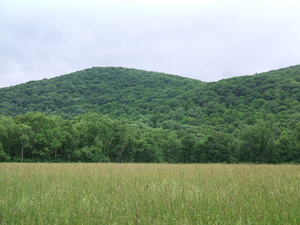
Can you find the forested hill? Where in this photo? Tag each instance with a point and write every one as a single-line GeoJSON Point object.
{"type": "Point", "coordinates": [108, 90]}
{"type": "Point", "coordinates": [132, 93]}
{"type": "Point", "coordinates": [119, 114]}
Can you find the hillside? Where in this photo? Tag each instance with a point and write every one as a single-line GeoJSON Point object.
{"type": "Point", "coordinates": [229, 116]}
{"type": "Point", "coordinates": [132, 93]}
{"type": "Point", "coordinates": [113, 91]}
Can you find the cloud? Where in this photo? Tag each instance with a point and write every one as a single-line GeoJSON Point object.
{"type": "Point", "coordinates": [206, 40]}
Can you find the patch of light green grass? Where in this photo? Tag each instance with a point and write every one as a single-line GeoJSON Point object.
{"type": "Point", "coordinates": [149, 194]}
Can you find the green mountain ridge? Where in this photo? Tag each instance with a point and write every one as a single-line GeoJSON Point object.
{"type": "Point", "coordinates": [95, 89]}
{"type": "Point", "coordinates": [137, 92]}
{"type": "Point", "coordinates": [240, 119]}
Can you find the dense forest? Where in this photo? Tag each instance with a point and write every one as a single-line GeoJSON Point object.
{"type": "Point", "coordinates": [125, 115]}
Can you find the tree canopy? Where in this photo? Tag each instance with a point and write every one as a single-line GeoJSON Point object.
{"type": "Point", "coordinates": [127, 115]}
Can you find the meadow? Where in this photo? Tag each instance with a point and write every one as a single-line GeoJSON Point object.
{"type": "Point", "coordinates": [78, 193]}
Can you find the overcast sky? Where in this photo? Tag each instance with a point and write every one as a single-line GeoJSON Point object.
{"type": "Point", "coordinates": [207, 40]}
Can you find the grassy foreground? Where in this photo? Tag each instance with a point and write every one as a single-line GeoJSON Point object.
{"type": "Point", "coordinates": [149, 194]}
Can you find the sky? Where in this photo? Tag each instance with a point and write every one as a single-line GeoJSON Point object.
{"type": "Point", "coordinates": [206, 40]}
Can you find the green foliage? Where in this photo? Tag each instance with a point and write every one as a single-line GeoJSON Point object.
{"type": "Point", "coordinates": [3, 156]}
{"type": "Point", "coordinates": [257, 143]}
{"type": "Point", "coordinates": [127, 115]}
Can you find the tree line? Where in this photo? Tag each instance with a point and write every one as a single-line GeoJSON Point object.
{"type": "Point", "coordinates": [37, 137]}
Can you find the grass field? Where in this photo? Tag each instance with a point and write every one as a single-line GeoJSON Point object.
{"type": "Point", "coordinates": [149, 194]}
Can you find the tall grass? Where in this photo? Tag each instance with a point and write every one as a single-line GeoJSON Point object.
{"type": "Point", "coordinates": [149, 194]}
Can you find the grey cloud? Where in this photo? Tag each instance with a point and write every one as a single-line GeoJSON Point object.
{"type": "Point", "coordinates": [206, 42]}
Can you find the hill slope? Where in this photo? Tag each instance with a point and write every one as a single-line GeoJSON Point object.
{"type": "Point", "coordinates": [152, 117]}
{"type": "Point", "coordinates": [133, 93]}
{"type": "Point", "coordinates": [102, 90]}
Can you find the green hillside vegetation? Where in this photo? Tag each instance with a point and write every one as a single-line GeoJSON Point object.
{"type": "Point", "coordinates": [127, 115]}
